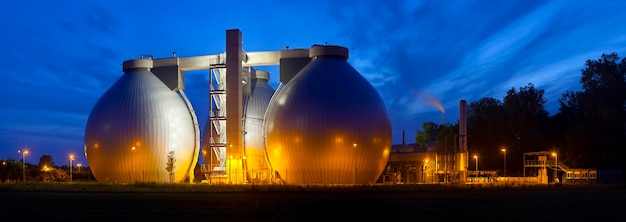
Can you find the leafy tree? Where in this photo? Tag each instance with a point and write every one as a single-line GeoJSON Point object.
{"type": "Point", "coordinates": [569, 108]}
{"type": "Point", "coordinates": [487, 131]}
{"type": "Point", "coordinates": [53, 175]}
{"type": "Point", "coordinates": [46, 160]}
{"type": "Point", "coordinates": [447, 138]}
{"type": "Point", "coordinates": [526, 113]}
{"type": "Point", "coordinates": [171, 159]}
{"type": "Point", "coordinates": [428, 134]}
{"type": "Point", "coordinates": [10, 170]}
{"type": "Point", "coordinates": [601, 112]}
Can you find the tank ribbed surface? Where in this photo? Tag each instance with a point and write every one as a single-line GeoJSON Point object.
{"type": "Point", "coordinates": [139, 111]}
{"type": "Point", "coordinates": [256, 97]}
{"type": "Point", "coordinates": [254, 146]}
{"type": "Point", "coordinates": [328, 126]}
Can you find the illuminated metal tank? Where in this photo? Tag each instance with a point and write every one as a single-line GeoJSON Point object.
{"type": "Point", "coordinates": [135, 125]}
{"type": "Point", "coordinates": [256, 96]}
{"type": "Point", "coordinates": [328, 125]}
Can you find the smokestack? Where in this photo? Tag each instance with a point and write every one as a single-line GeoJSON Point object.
{"type": "Point", "coordinates": [463, 126]}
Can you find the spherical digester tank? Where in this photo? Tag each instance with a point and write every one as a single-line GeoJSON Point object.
{"type": "Point", "coordinates": [255, 104]}
{"type": "Point", "coordinates": [328, 125]}
{"type": "Point", "coordinates": [256, 96]}
{"type": "Point", "coordinates": [133, 128]}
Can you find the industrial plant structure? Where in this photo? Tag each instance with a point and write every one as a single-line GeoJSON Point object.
{"type": "Point", "coordinates": [325, 124]}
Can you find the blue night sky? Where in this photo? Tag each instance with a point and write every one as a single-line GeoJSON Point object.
{"type": "Point", "coordinates": [60, 56]}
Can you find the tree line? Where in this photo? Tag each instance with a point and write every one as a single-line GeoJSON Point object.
{"type": "Point", "coordinates": [588, 131]}
{"type": "Point", "coordinates": [13, 170]}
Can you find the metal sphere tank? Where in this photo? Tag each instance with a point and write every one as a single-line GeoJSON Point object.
{"type": "Point", "coordinates": [256, 97]}
{"type": "Point", "coordinates": [256, 100]}
{"type": "Point", "coordinates": [328, 125]}
{"type": "Point", "coordinates": [135, 125]}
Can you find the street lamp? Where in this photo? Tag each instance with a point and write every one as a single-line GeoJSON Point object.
{"type": "Point", "coordinates": [424, 168]}
{"type": "Point", "coordinates": [24, 152]}
{"type": "Point", "coordinates": [504, 150]}
{"type": "Point", "coordinates": [355, 171]}
{"type": "Point", "coordinates": [556, 165]}
{"type": "Point", "coordinates": [132, 165]}
{"type": "Point", "coordinates": [71, 166]}
{"type": "Point", "coordinates": [79, 165]}
{"type": "Point", "coordinates": [476, 157]}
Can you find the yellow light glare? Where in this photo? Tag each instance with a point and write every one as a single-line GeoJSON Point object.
{"type": "Point", "coordinates": [338, 139]}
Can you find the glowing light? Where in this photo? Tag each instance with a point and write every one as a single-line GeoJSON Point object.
{"type": "Point", "coordinates": [476, 157]}
{"type": "Point", "coordinates": [338, 139]}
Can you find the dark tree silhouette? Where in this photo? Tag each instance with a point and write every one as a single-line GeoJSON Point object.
{"type": "Point", "coordinates": [598, 137]}
{"type": "Point", "coordinates": [46, 160]}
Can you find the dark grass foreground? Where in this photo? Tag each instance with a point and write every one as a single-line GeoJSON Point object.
{"type": "Point", "coordinates": [202, 202]}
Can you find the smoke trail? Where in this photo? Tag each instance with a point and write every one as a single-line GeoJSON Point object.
{"type": "Point", "coordinates": [431, 100]}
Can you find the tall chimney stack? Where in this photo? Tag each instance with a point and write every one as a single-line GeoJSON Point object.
{"type": "Point", "coordinates": [402, 138]}
{"type": "Point", "coordinates": [463, 126]}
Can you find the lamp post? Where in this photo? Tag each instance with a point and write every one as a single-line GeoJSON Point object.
{"type": "Point", "coordinates": [79, 165]}
{"type": "Point", "coordinates": [71, 166]}
{"type": "Point", "coordinates": [355, 159]}
{"type": "Point", "coordinates": [556, 165]}
{"type": "Point", "coordinates": [24, 152]}
{"type": "Point", "coordinates": [476, 157]}
{"type": "Point", "coordinates": [504, 150]}
{"type": "Point", "coordinates": [424, 168]}
{"type": "Point", "coordinates": [132, 165]}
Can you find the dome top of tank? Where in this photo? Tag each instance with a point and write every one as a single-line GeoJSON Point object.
{"type": "Point", "coordinates": [144, 62]}
{"type": "Point", "coordinates": [328, 50]}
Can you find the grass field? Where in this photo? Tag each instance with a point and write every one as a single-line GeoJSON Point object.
{"type": "Point", "coordinates": [202, 202]}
